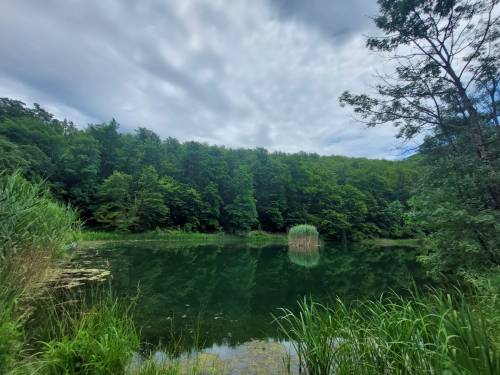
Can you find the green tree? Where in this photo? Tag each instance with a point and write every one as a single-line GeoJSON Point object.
{"type": "Point", "coordinates": [149, 202]}
{"type": "Point", "coordinates": [110, 146]}
{"type": "Point", "coordinates": [241, 213]}
{"type": "Point", "coordinates": [211, 207]}
{"type": "Point", "coordinates": [78, 169]}
{"type": "Point", "coordinates": [184, 203]}
{"type": "Point", "coordinates": [11, 157]}
{"type": "Point", "coordinates": [270, 178]}
{"type": "Point", "coordinates": [446, 84]}
{"type": "Point", "coordinates": [116, 209]}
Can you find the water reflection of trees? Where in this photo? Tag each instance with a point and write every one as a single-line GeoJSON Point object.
{"type": "Point", "coordinates": [229, 291]}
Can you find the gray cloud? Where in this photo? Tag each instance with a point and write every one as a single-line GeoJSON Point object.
{"type": "Point", "coordinates": [337, 19]}
{"type": "Point", "coordinates": [265, 73]}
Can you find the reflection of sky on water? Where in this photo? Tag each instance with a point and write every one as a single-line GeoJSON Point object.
{"type": "Point", "coordinates": [267, 356]}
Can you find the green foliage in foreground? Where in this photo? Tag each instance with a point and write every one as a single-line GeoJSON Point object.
{"type": "Point", "coordinates": [33, 228]}
{"type": "Point", "coordinates": [437, 333]}
{"type": "Point", "coordinates": [152, 367]}
{"type": "Point", "coordinates": [29, 218]}
{"type": "Point", "coordinates": [11, 334]}
{"type": "Point", "coordinates": [97, 336]}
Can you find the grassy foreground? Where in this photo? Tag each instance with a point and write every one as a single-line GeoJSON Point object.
{"type": "Point", "coordinates": [434, 334]}
{"type": "Point", "coordinates": [33, 231]}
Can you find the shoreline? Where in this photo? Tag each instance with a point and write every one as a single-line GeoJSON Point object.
{"type": "Point", "coordinates": [100, 237]}
{"type": "Point", "coordinates": [174, 236]}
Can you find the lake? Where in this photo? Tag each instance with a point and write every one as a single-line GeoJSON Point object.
{"type": "Point", "coordinates": [221, 296]}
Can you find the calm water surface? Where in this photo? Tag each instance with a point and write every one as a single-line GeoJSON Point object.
{"type": "Point", "coordinates": [226, 293]}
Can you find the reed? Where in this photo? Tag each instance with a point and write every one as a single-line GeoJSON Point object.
{"type": "Point", "coordinates": [303, 237]}
{"type": "Point", "coordinates": [153, 367]}
{"type": "Point", "coordinates": [438, 333]}
{"type": "Point", "coordinates": [95, 335]}
{"type": "Point", "coordinates": [11, 333]}
{"type": "Point", "coordinates": [33, 229]}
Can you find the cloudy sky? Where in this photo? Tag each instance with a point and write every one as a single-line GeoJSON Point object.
{"type": "Point", "coordinates": [240, 73]}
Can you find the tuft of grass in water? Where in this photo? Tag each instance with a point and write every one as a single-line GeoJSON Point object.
{"type": "Point", "coordinates": [152, 367]}
{"type": "Point", "coordinates": [194, 363]}
{"type": "Point", "coordinates": [438, 333]}
{"type": "Point", "coordinates": [310, 330]}
{"type": "Point", "coordinates": [303, 237]}
{"type": "Point", "coordinates": [94, 334]}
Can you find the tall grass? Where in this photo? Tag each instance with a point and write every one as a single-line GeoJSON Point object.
{"type": "Point", "coordinates": [303, 237]}
{"type": "Point", "coordinates": [195, 363]}
{"type": "Point", "coordinates": [435, 334]}
{"type": "Point", "coordinates": [153, 367]}
{"type": "Point", "coordinates": [11, 334]}
{"type": "Point", "coordinates": [29, 217]}
{"type": "Point", "coordinates": [33, 228]}
{"type": "Point", "coordinates": [97, 335]}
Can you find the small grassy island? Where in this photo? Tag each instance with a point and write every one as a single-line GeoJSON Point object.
{"type": "Point", "coordinates": [126, 252]}
{"type": "Point", "coordinates": [303, 237]}
{"type": "Point", "coordinates": [303, 245]}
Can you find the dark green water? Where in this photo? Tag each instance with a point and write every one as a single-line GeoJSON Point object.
{"type": "Point", "coordinates": [227, 293]}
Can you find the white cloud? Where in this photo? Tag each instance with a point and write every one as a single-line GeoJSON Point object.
{"type": "Point", "coordinates": [238, 73]}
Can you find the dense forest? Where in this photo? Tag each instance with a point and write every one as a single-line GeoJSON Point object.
{"type": "Point", "coordinates": [137, 181]}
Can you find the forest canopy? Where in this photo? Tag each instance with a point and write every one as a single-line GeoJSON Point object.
{"type": "Point", "coordinates": [137, 181]}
